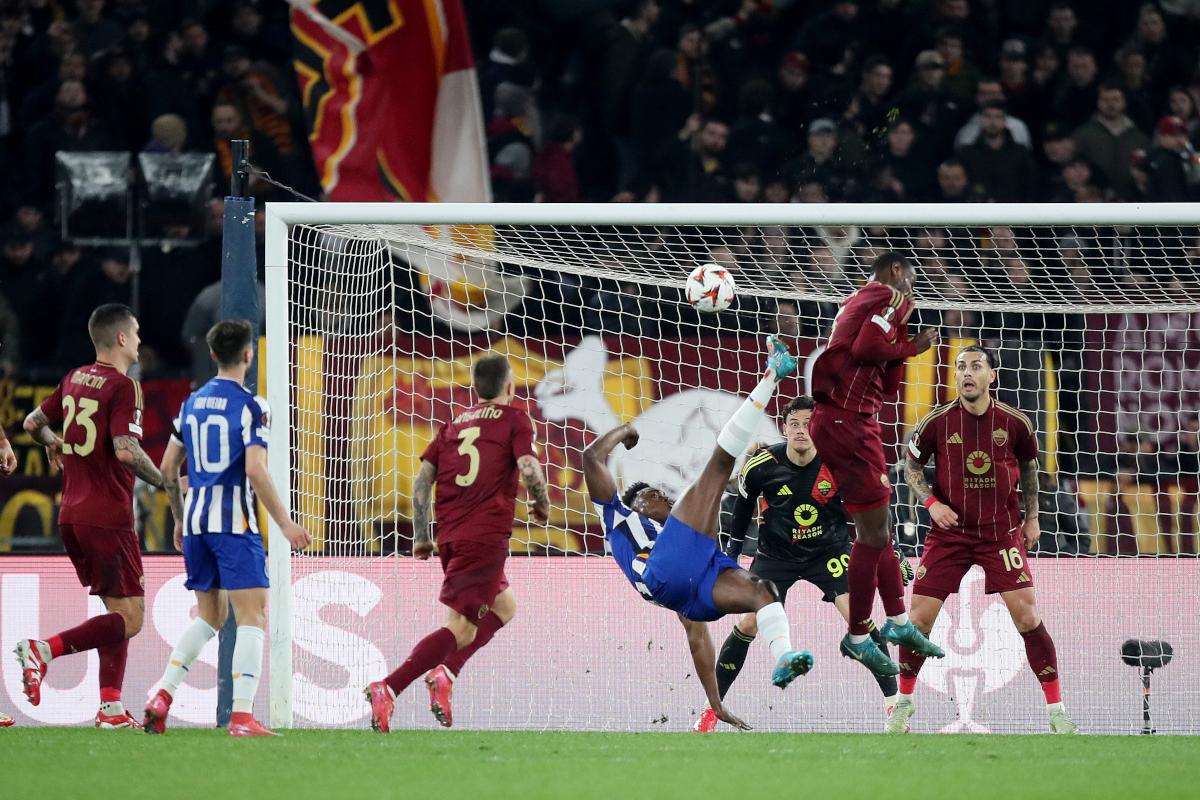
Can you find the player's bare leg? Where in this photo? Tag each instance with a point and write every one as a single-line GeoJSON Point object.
{"type": "Point", "coordinates": [212, 609]}
{"type": "Point", "coordinates": [1040, 652]}
{"type": "Point", "coordinates": [699, 507]}
{"type": "Point", "coordinates": [440, 679]}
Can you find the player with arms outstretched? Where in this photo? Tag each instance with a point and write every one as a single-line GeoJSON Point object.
{"type": "Point", "coordinates": [802, 536]}
{"type": "Point", "coordinates": [100, 409]}
{"type": "Point", "coordinates": [864, 362]}
{"type": "Point", "coordinates": [983, 449]}
{"type": "Point", "coordinates": [474, 461]}
{"type": "Point", "coordinates": [669, 552]}
{"type": "Point", "coordinates": [222, 432]}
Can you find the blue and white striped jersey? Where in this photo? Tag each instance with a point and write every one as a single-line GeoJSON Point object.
{"type": "Point", "coordinates": [216, 424]}
{"type": "Point", "coordinates": [631, 537]}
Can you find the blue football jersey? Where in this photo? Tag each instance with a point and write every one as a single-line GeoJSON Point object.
{"type": "Point", "coordinates": [631, 537]}
{"type": "Point", "coordinates": [216, 424]}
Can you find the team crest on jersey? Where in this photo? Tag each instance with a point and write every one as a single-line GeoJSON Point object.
{"type": "Point", "coordinates": [824, 487]}
{"type": "Point", "coordinates": [884, 480]}
{"type": "Point", "coordinates": [999, 437]}
{"type": "Point", "coordinates": [979, 462]}
{"type": "Point", "coordinates": [921, 572]}
{"type": "Point", "coordinates": [483, 609]}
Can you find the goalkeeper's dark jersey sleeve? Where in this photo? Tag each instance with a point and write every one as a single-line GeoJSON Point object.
{"type": "Point", "coordinates": [802, 514]}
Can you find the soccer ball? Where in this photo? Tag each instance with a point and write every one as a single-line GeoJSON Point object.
{"type": "Point", "coordinates": [710, 288]}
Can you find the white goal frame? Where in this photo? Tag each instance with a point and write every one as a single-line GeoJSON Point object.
{"type": "Point", "coordinates": [280, 216]}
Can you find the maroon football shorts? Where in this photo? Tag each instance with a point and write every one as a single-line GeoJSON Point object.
{"type": "Point", "coordinates": [948, 556]}
{"type": "Point", "coordinates": [107, 559]}
{"type": "Point", "coordinates": [473, 576]}
{"type": "Point", "coordinates": [851, 445]}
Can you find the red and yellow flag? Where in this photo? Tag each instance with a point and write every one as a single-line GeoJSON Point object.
{"type": "Point", "coordinates": [391, 99]}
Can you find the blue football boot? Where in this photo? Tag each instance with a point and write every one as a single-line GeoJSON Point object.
{"type": "Point", "coordinates": [790, 667]}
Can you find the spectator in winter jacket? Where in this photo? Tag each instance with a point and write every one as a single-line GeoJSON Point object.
{"type": "Point", "coordinates": [1171, 166]}
{"type": "Point", "coordinates": [1109, 139]}
{"type": "Point", "coordinates": [1002, 167]}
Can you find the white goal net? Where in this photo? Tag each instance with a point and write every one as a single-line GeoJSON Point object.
{"type": "Point", "coordinates": [376, 312]}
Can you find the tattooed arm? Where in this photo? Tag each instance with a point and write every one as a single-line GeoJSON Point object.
{"type": "Point", "coordinates": [38, 426]}
{"type": "Point", "coordinates": [172, 461]}
{"type": "Point", "coordinates": [422, 505]}
{"type": "Point", "coordinates": [535, 484]}
{"type": "Point", "coordinates": [130, 453]}
{"type": "Point", "coordinates": [1031, 528]}
{"type": "Point", "coordinates": [914, 474]}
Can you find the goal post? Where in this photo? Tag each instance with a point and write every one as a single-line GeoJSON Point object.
{"type": "Point", "coordinates": [376, 310]}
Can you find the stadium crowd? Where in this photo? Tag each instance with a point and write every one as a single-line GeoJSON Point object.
{"type": "Point", "coordinates": [638, 101]}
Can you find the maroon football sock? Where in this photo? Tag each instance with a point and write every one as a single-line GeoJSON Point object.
{"type": "Point", "coordinates": [95, 633]}
{"type": "Point", "coordinates": [112, 670]}
{"type": "Point", "coordinates": [891, 582]}
{"type": "Point", "coordinates": [864, 564]}
{"type": "Point", "coordinates": [910, 664]}
{"type": "Point", "coordinates": [429, 652]}
{"type": "Point", "coordinates": [1043, 660]}
{"type": "Point", "coordinates": [488, 627]}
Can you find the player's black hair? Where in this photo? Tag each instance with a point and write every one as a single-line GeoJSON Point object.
{"type": "Point", "coordinates": [107, 322]}
{"type": "Point", "coordinates": [632, 492]}
{"type": "Point", "coordinates": [988, 354]}
{"type": "Point", "coordinates": [228, 340]}
{"type": "Point", "coordinates": [490, 375]}
{"type": "Point", "coordinates": [885, 261]}
{"type": "Point", "coordinates": [801, 403]}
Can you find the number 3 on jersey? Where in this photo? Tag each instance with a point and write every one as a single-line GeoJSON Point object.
{"type": "Point", "coordinates": [468, 449]}
{"type": "Point", "coordinates": [87, 407]}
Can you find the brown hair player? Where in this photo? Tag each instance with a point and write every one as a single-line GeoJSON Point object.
{"type": "Point", "coordinates": [863, 362]}
{"type": "Point", "coordinates": [983, 450]}
{"type": "Point", "coordinates": [100, 409]}
{"type": "Point", "coordinates": [474, 461]}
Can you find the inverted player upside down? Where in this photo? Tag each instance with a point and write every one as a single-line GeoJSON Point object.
{"type": "Point", "coordinates": [669, 552]}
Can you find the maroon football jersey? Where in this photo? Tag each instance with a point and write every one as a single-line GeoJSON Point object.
{"type": "Point", "coordinates": [868, 341]}
{"type": "Point", "coordinates": [93, 404]}
{"type": "Point", "coordinates": [978, 467]}
{"type": "Point", "coordinates": [475, 456]}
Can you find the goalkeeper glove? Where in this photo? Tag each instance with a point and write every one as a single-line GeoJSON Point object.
{"type": "Point", "coordinates": [906, 570]}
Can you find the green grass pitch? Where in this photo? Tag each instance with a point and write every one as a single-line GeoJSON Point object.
{"type": "Point", "coordinates": [67, 762]}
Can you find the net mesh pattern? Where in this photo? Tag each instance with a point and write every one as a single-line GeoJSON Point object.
{"type": "Point", "coordinates": [1096, 329]}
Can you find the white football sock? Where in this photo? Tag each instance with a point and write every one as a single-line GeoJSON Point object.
{"type": "Point", "coordinates": [738, 432]}
{"type": "Point", "coordinates": [900, 619]}
{"type": "Point", "coordinates": [858, 638]}
{"type": "Point", "coordinates": [773, 625]}
{"type": "Point", "coordinates": [113, 709]}
{"type": "Point", "coordinates": [1055, 706]}
{"type": "Point", "coordinates": [186, 651]}
{"type": "Point", "coordinates": [247, 664]}
{"type": "Point", "coordinates": [889, 702]}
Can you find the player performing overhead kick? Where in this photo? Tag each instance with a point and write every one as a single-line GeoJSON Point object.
{"type": "Point", "coordinates": [802, 537]}
{"type": "Point", "coordinates": [863, 362]}
{"type": "Point", "coordinates": [222, 432]}
{"type": "Point", "coordinates": [100, 452]}
{"type": "Point", "coordinates": [669, 551]}
{"type": "Point", "coordinates": [474, 461]}
{"type": "Point", "coordinates": [983, 449]}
